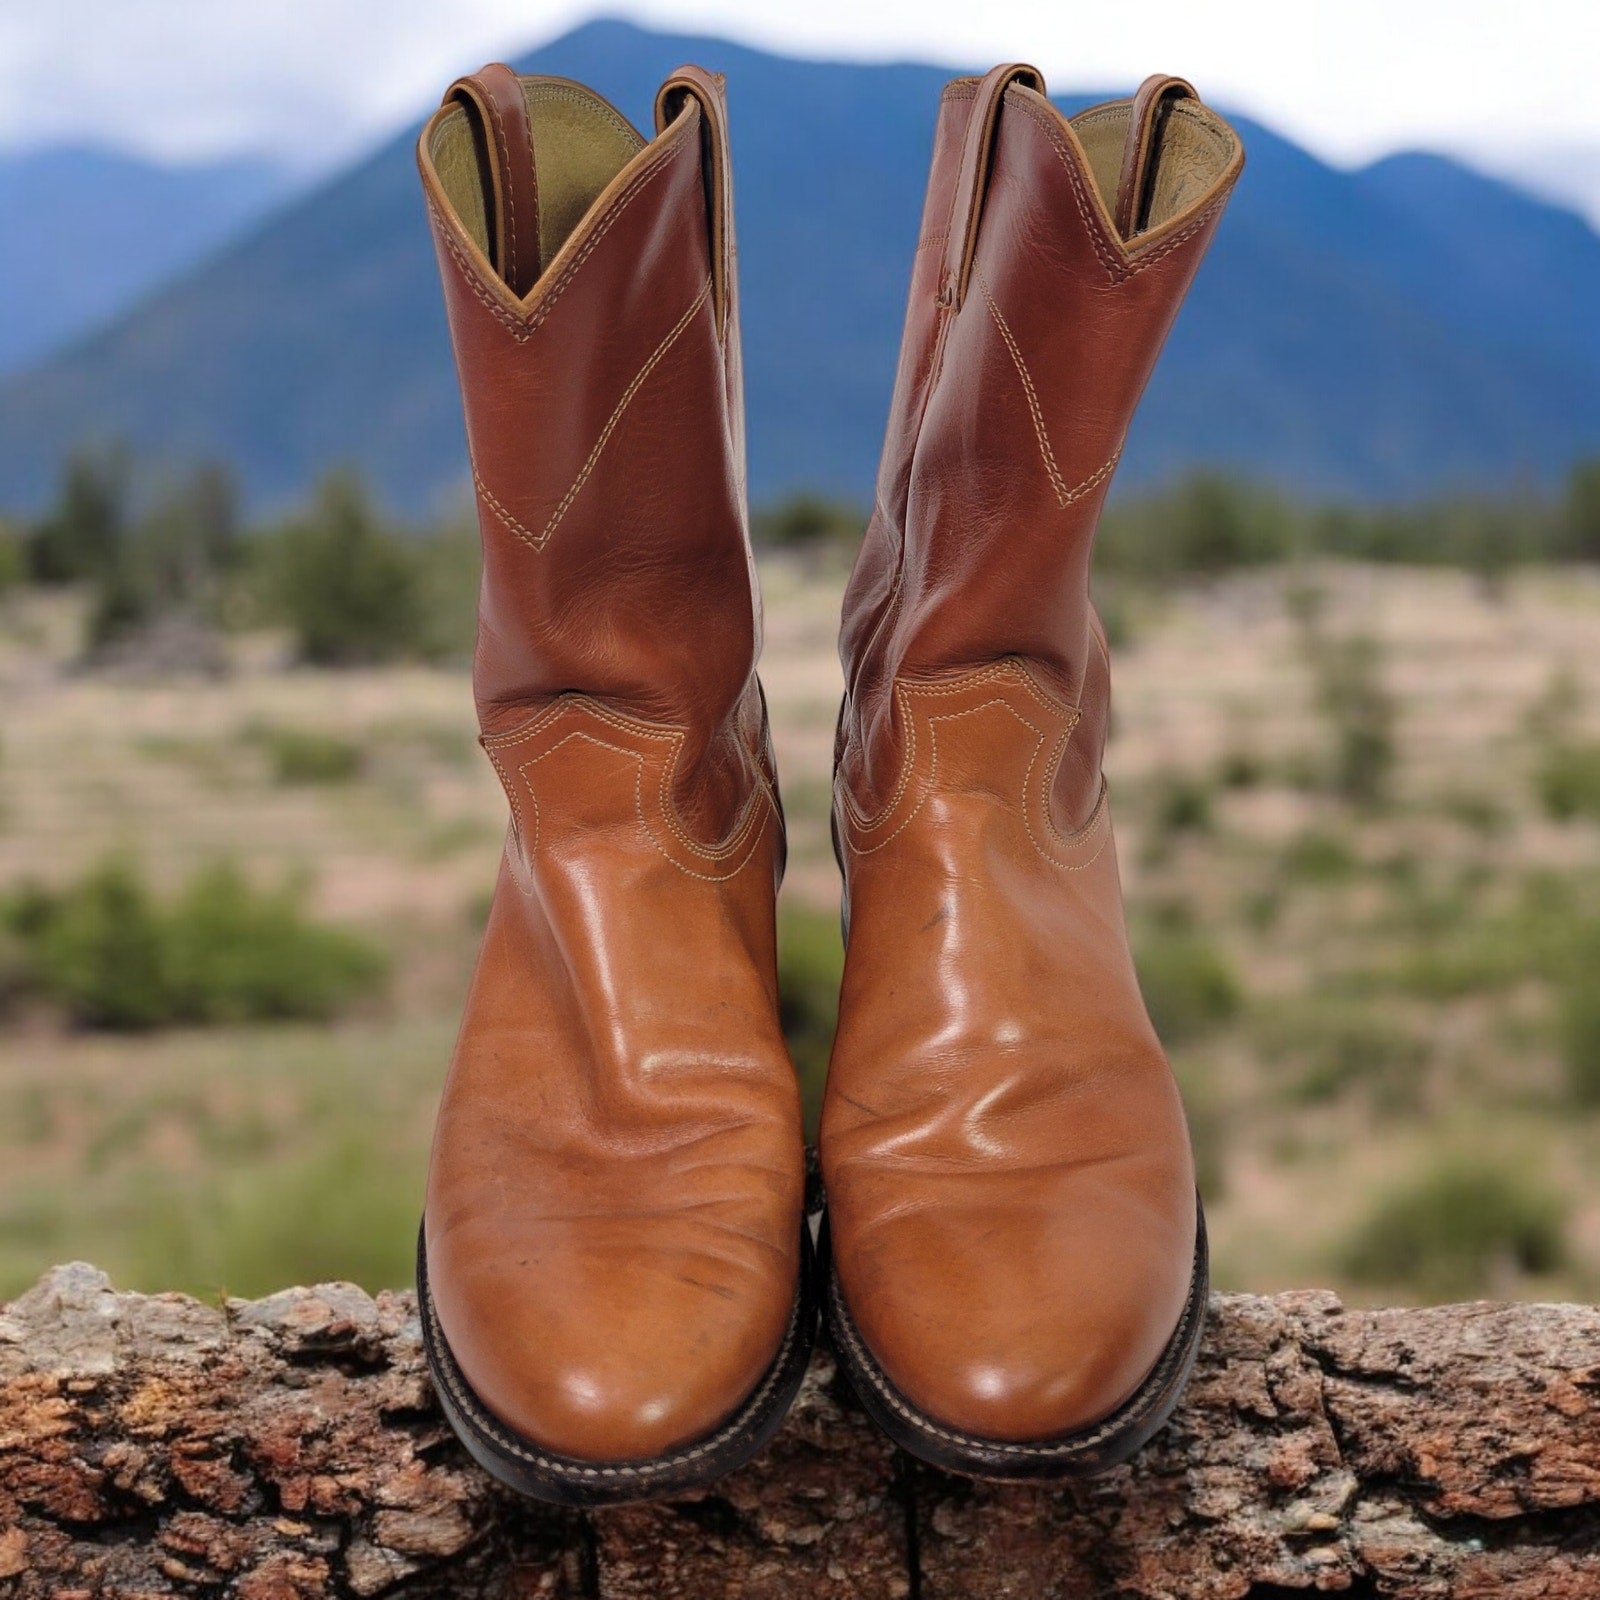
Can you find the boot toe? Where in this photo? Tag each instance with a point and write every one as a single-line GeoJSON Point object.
{"type": "Point", "coordinates": [1024, 1333]}
{"type": "Point", "coordinates": [657, 1354]}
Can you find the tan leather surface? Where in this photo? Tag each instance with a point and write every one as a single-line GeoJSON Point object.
{"type": "Point", "coordinates": [1010, 1189]}
{"type": "Point", "coordinates": [614, 1197]}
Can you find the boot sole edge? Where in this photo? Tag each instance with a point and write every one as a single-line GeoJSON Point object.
{"type": "Point", "coordinates": [1083, 1453]}
{"type": "Point", "coordinates": [538, 1474]}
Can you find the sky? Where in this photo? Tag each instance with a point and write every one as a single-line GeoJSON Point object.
{"type": "Point", "coordinates": [315, 82]}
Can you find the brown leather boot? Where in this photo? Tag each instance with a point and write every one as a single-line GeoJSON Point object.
{"type": "Point", "coordinates": [611, 1268]}
{"type": "Point", "coordinates": [1018, 1265]}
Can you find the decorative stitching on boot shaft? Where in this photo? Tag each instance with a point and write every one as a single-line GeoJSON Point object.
{"type": "Point", "coordinates": [538, 541]}
{"type": "Point", "coordinates": [1064, 496]}
{"type": "Point", "coordinates": [740, 841]}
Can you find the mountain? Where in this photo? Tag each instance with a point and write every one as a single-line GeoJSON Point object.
{"type": "Point", "coordinates": [84, 232]}
{"type": "Point", "coordinates": [1379, 333]}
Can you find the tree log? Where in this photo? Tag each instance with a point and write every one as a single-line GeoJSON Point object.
{"type": "Point", "coordinates": [287, 1447]}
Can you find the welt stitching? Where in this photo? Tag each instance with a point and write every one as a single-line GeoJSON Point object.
{"type": "Point", "coordinates": [1064, 495]}
{"type": "Point", "coordinates": [891, 604]}
{"type": "Point", "coordinates": [1167, 246]}
{"type": "Point", "coordinates": [469, 1405]}
{"type": "Point", "coordinates": [862, 823]}
{"type": "Point", "coordinates": [1027, 777]}
{"type": "Point", "coordinates": [1027, 783]}
{"type": "Point", "coordinates": [492, 745]}
{"type": "Point", "coordinates": [1151, 1387]}
{"type": "Point", "coordinates": [511, 794]}
{"type": "Point", "coordinates": [1083, 834]}
{"type": "Point", "coordinates": [1095, 478]}
{"type": "Point", "coordinates": [718, 852]}
{"type": "Point", "coordinates": [603, 227]}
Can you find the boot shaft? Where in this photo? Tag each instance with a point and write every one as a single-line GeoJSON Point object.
{"type": "Point", "coordinates": [1032, 328]}
{"type": "Point", "coordinates": [603, 404]}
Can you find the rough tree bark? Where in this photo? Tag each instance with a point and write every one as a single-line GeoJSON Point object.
{"type": "Point", "coordinates": [290, 1447]}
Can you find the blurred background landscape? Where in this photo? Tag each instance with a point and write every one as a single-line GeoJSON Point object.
{"type": "Point", "coordinates": [1351, 576]}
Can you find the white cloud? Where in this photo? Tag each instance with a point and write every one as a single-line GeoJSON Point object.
{"type": "Point", "coordinates": [315, 80]}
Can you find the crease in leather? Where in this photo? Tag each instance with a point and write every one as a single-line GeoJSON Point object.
{"type": "Point", "coordinates": [573, 717]}
{"type": "Point", "coordinates": [867, 637]}
{"type": "Point", "coordinates": [615, 1192]}
{"type": "Point", "coordinates": [1010, 1187]}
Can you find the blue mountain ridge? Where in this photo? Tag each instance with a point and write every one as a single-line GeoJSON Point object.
{"type": "Point", "coordinates": [1405, 329]}
{"type": "Point", "coordinates": [86, 231]}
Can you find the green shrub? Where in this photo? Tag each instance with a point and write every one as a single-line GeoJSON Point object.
{"type": "Point", "coordinates": [1182, 804]}
{"type": "Point", "coordinates": [1479, 813]}
{"type": "Point", "coordinates": [448, 569]}
{"type": "Point", "coordinates": [1456, 1231]}
{"type": "Point", "coordinates": [98, 952]}
{"type": "Point", "coordinates": [810, 962]}
{"type": "Point", "coordinates": [1114, 606]}
{"type": "Point", "coordinates": [1241, 769]}
{"type": "Point", "coordinates": [305, 755]}
{"type": "Point", "coordinates": [1541, 936]}
{"type": "Point", "coordinates": [1188, 984]}
{"type": "Point", "coordinates": [1555, 710]}
{"type": "Point", "coordinates": [1318, 856]}
{"type": "Point", "coordinates": [110, 956]}
{"type": "Point", "coordinates": [234, 954]}
{"type": "Point", "coordinates": [1583, 511]}
{"type": "Point", "coordinates": [81, 536]}
{"type": "Point", "coordinates": [1569, 781]}
{"type": "Point", "coordinates": [1206, 525]}
{"type": "Point", "coordinates": [1209, 1130]}
{"type": "Point", "coordinates": [346, 586]}
{"type": "Point", "coordinates": [13, 559]}
{"type": "Point", "coordinates": [805, 521]}
{"type": "Point", "coordinates": [1331, 1047]}
{"type": "Point", "coordinates": [1579, 1006]}
{"type": "Point", "coordinates": [1361, 714]}
{"type": "Point", "coordinates": [1262, 909]}
{"type": "Point", "coordinates": [171, 561]}
{"type": "Point", "coordinates": [343, 1212]}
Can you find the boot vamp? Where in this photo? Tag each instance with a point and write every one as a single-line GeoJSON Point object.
{"type": "Point", "coordinates": [614, 1198]}
{"type": "Point", "coordinates": [1010, 1190]}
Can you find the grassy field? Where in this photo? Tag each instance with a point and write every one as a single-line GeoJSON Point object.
{"type": "Point", "coordinates": [1359, 816]}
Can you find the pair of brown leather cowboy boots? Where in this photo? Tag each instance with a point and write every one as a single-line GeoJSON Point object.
{"type": "Point", "coordinates": [616, 1270]}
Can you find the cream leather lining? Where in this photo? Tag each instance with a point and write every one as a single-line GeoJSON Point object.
{"type": "Point", "coordinates": [579, 145]}
{"type": "Point", "coordinates": [1196, 148]}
